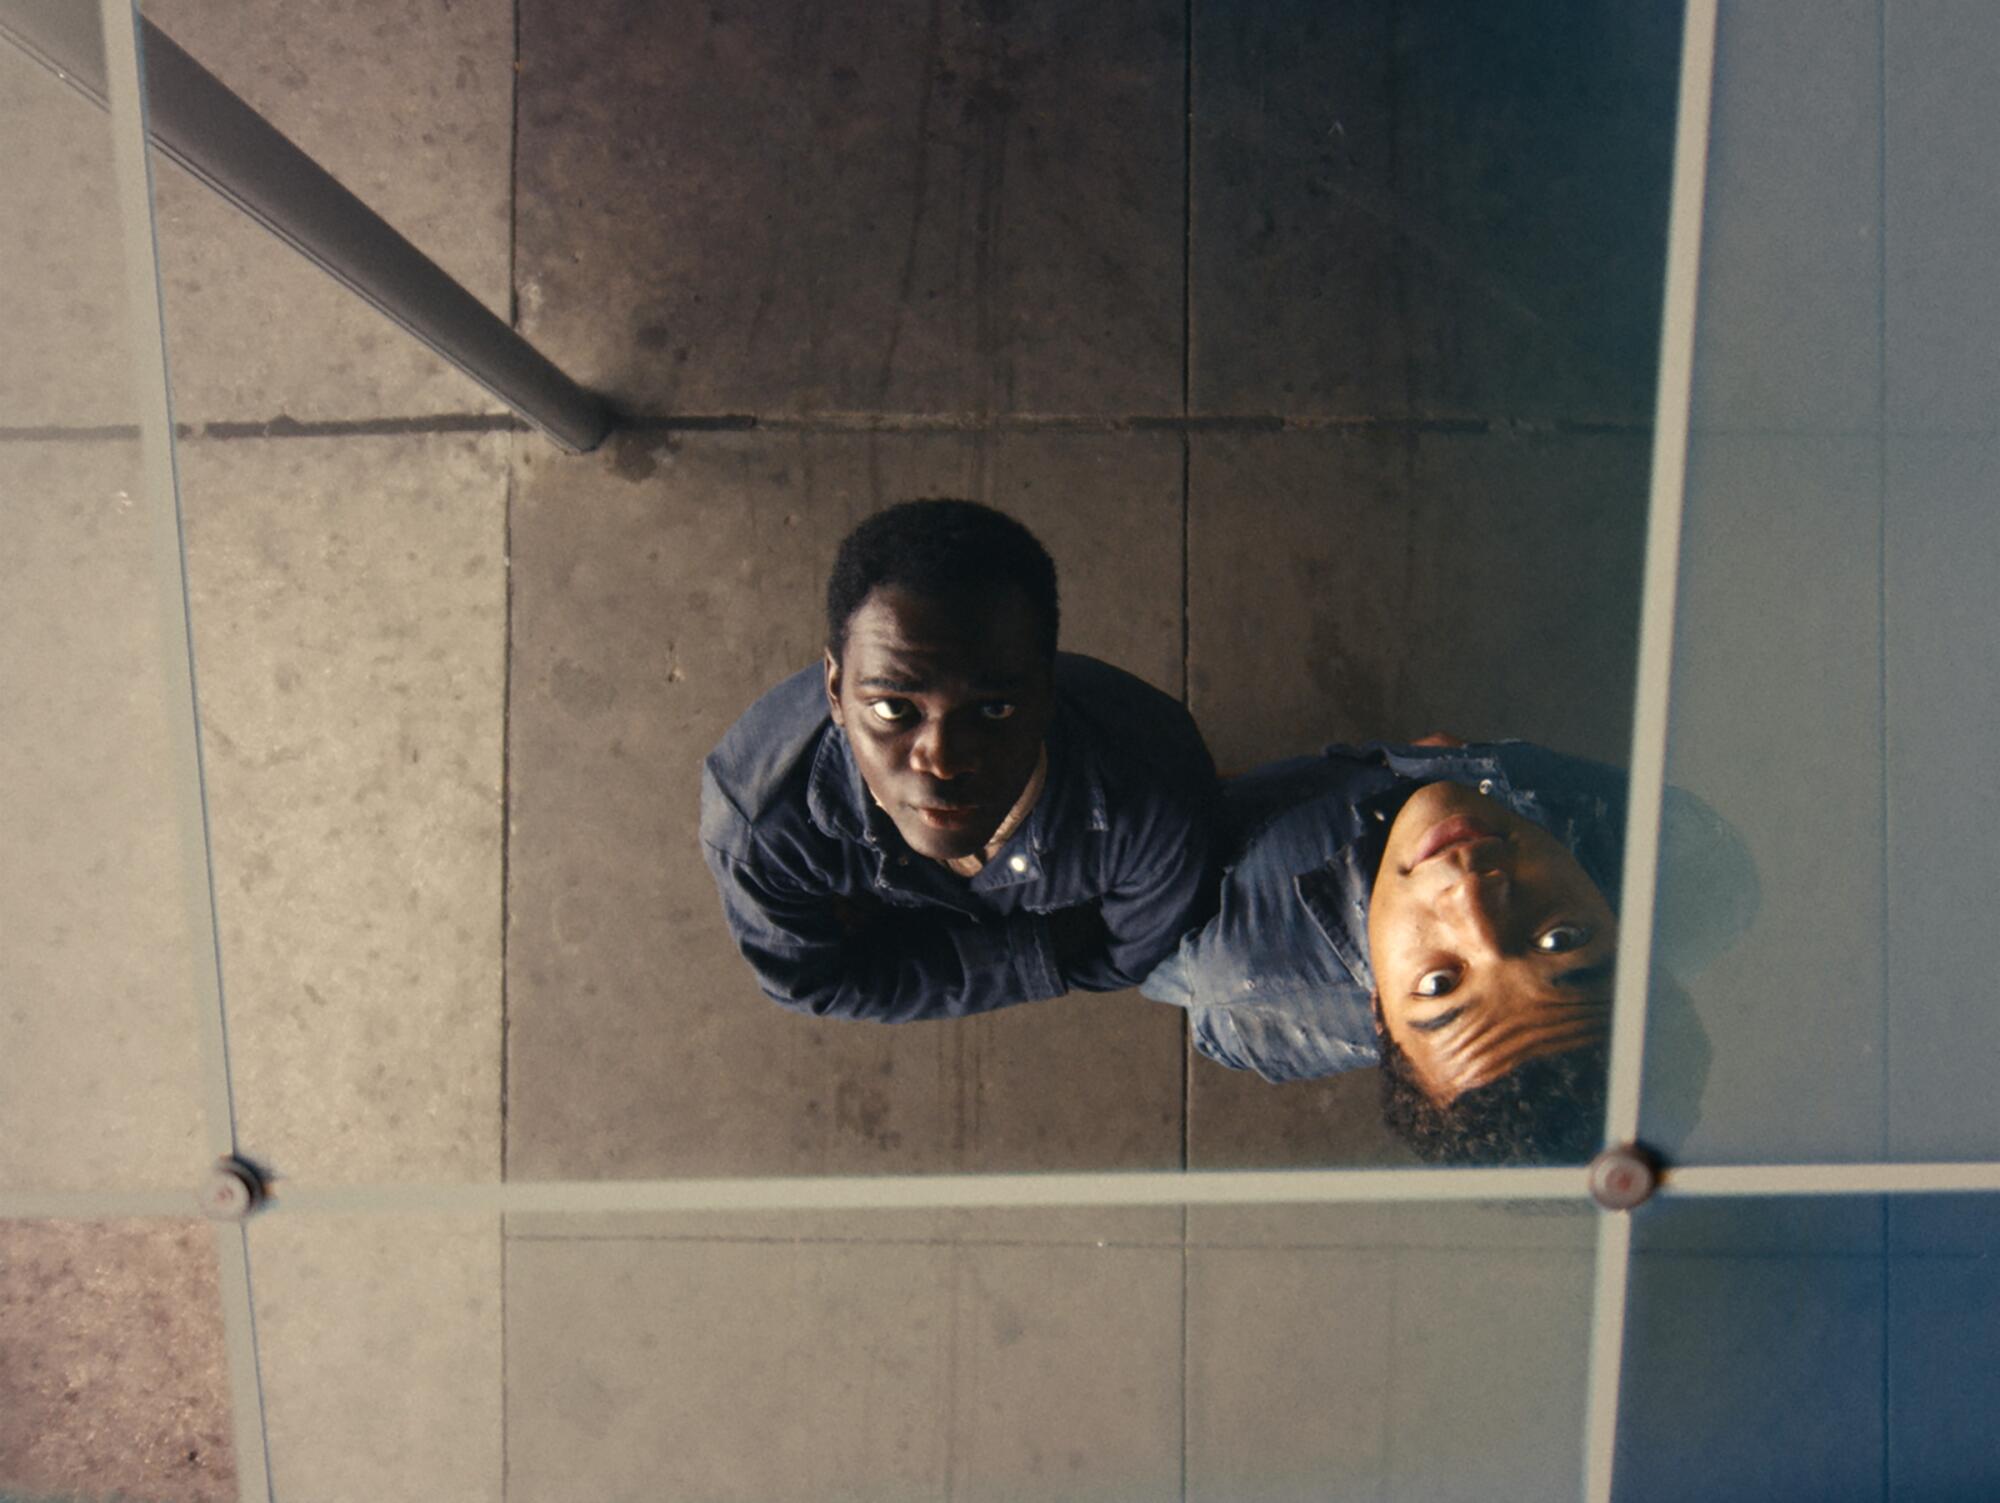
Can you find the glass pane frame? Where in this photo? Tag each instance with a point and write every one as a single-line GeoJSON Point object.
{"type": "Point", "coordinates": [902, 1193]}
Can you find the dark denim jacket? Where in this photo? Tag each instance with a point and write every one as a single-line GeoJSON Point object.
{"type": "Point", "coordinates": [1278, 981]}
{"type": "Point", "coordinates": [1124, 820]}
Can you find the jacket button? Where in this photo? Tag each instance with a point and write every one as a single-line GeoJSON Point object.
{"type": "Point", "coordinates": [1018, 863]}
{"type": "Point", "coordinates": [1486, 785]}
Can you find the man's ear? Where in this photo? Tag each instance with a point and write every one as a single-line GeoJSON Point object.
{"type": "Point", "coordinates": [832, 666]}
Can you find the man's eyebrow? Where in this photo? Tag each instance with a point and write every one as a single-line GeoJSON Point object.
{"type": "Point", "coordinates": [1583, 977]}
{"type": "Point", "coordinates": [894, 685]}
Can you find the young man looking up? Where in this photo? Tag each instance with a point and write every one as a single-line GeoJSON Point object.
{"type": "Point", "coordinates": [947, 815]}
{"type": "Point", "coordinates": [1443, 910]}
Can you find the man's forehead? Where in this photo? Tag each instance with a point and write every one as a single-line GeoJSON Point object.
{"type": "Point", "coordinates": [929, 645]}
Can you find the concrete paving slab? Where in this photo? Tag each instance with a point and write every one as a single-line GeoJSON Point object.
{"type": "Point", "coordinates": [1940, 1328]}
{"type": "Point", "coordinates": [1786, 1226]}
{"type": "Point", "coordinates": [657, 592]}
{"type": "Point", "coordinates": [1246, 1122]}
{"type": "Point", "coordinates": [1403, 210]}
{"type": "Point", "coordinates": [802, 207]}
{"type": "Point", "coordinates": [869, 1371]}
{"type": "Point", "coordinates": [1348, 587]}
{"type": "Point", "coordinates": [1778, 663]}
{"type": "Point", "coordinates": [379, 1346]}
{"type": "Point", "coordinates": [115, 1382]}
{"type": "Point", "coordinates": [410, 106]}
{"type": "Point", "coordinates": [1080, 1226]}
{"type": "Point", "coordinates": [100, 1074]}
{"type": "Point", "coordinates": [1465, 1226]}
{"type": "Point", "coordinates": [62, 301]}
{"type": "Point", "coordinates": [1941, 542]}
{"type": "Point", "coordinates": [1721, 1348]}
{"type": "Point", "coordinates": [1941, 64]}
{"type": "Point", "coordinates": [349, 610]}
{"type": "Point", "coordinates": [1789, 335]}
{"type": "Point", "coordinates": [1386, 1373]}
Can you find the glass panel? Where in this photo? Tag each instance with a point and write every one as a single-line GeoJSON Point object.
{"type": "Point", "coordinates": [1828, 837]}
{"type": "Point", "coordinates": [98, 946]}
{"type": "Point", "coordinates": [459, 687]}
{"type": "Point", "coordinates": [1378, 1354]}
{"type": "Point", "coordinates": [115, 1379]}
{"type": "Point", "coordinates": [1836, 1349]}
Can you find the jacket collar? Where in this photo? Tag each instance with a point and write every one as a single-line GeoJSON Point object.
{"type": "Point", "coordinates": [836, 798]}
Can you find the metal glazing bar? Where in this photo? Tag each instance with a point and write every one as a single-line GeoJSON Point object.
{"type": "Point", "coordinates": [1607, 1354]}
{"type": "Point", "coordinates": [97, 1205]}
{"type": "Point", "coordinates": [218, 138]}
{"type": "Point", "coordinates": [1649, 722]}
{"type": "Point", "coordinates": [117, 53]}
{"type": "Point", "coordinates": [1000, 1191]}
{"type": "Point", "coordinates": [1638, 885]}
{"type": "Point", "coordinates": [939, 1191]}
{"type": "Point", "coordinates": [1702, 1180]}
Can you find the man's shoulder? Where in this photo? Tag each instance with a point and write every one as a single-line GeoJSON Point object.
{"type": "Point", "coordinates": [1129, 722]}
{"type": "Point", "coordinates": [764, 757]}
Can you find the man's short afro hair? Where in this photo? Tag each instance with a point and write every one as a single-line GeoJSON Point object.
{"type": "Point", "coordinates": [939, 548]}
{"type": "Point", "coordinates": [1547, 1110]}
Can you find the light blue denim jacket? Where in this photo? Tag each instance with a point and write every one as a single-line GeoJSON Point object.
{"type": "Point", "coordinates": [1278, 981]}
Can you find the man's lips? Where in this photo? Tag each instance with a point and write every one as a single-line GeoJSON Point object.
{"type": "Point", "coordinates": [1447, 833]}
{"type": "Point", "coordinates": [947, 816]}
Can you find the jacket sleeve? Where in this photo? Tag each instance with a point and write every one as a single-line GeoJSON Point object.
{"type": "Point", "coordinates": [895, 966]}
{"type": "Point", "coordinates": [1162, 886]}
{"type": "Point", "coordinates": [1145, 916]}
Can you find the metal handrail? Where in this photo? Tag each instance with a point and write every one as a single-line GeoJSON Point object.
{"type": "Point", "coordinates": [199, 123]}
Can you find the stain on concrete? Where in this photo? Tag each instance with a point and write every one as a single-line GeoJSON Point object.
{"type": "Point", "coordinates": [581, 689]}
{"type": "Point", "coordinates": [636, 456]}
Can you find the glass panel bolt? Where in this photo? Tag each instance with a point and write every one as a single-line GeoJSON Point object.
{"type": "Point", "coordinates": [1624, 1177]}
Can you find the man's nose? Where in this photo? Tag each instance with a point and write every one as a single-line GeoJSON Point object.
{"type": "Point", "coordinates": [941, 751]}
{"type": "Point", "coordinates": [1482, 903]}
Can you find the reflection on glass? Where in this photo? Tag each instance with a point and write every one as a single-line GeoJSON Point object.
{"type": "Point", "coordinates": [97, 954]}
{"type": "Point", "coordinates": [115, 1382]}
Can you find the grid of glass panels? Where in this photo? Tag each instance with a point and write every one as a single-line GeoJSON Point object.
{"type": "Point", "coordinates": [1814, 1025]}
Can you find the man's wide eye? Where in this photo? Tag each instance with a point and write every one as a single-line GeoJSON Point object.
{"type": "Point", "coordinates": [1560, 939]}
{"type": "Point", "coordinates": [1436, 983]}
{"type": "Point", "coordinates": [892, 711]}
{"type": "Point", "coordinates": [996, 709]}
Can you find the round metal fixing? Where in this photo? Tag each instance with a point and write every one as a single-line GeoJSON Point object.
{"type": "Point", "coordinates": [1624, 1177]}
{"type": "Point", "coordinates": [234, 1189]}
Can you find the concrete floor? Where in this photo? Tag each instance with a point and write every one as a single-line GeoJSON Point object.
{"type": "Point", "coordinates": [1317, 343]}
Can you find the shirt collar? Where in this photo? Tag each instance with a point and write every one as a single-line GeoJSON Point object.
{"type": "Point", "coordinates": [971, 866]}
